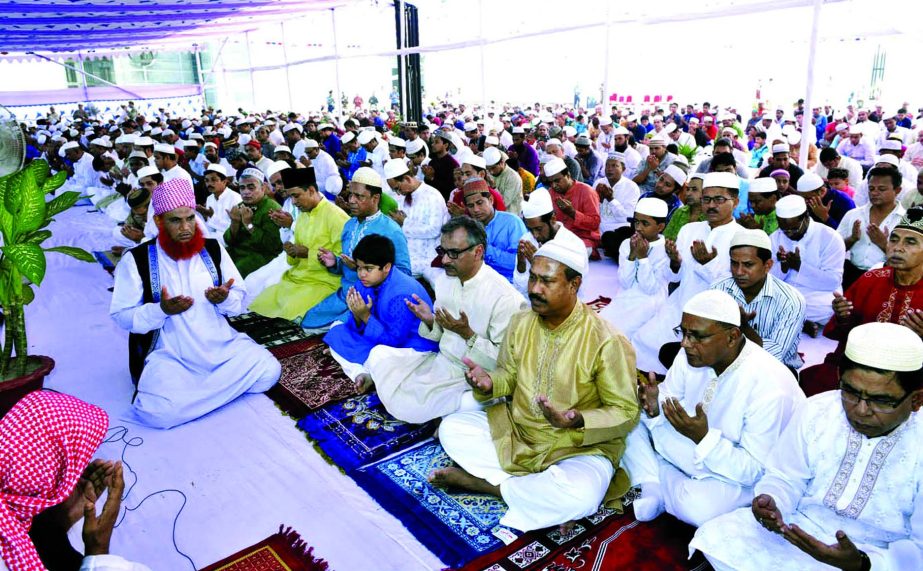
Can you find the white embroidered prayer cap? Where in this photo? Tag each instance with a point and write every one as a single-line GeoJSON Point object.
{"type": "Point", "coordinates": [653, 207]}
{"type": "Point", "coordinates": [889, 159]}
{"type": "Point", "coordinates": [885, 346]}
{"type": "Point", "coordinates": [751, 237]}
{"type": "Point", "coordinates": [721, 179]}
{"type": "Point", "coordinates": [147, 171]}
{"type": "Point", "coordinates": [368, 176]}
{"type": "Point", "coordinates": [475, 161]}
{"type": "Point", "coordinates": [414, 146]}
{"type": "Point", "coordinates": [365, 137]}
{"type": "Point", "coordinates": [676, 173]}
{"type": "Point", "coordinates": [780, 148]}
{"type": "Point", "coordinates": [715, 305]}
{"type": "Point", "coordinates": [658, 139]}
{"type": "Point", "coordinates": [144, 142]}
{"type": "Point", "coordinates": [277, 167]}
{"type": "Point", "coordinates": [165, 149]}
{"type": "Point", "coordinates": [492, 156]}
{"type": "Point", "coordinates": [619, 130]}
{"type": "Point", "coordinates": [311, 144]}
{"type": "Point", "coordinates": [216, 168]}
{"type": "Point", "coordinates": [552, 143]}
{"type": "Point", "coordinates": [855, 130]}
{"type": "Point", "coordinates": [605, 120]}
{"type": "Point", "coordinates": [397, 142]}
{"type": "Point", "coordinates": [567, 249]}
{"type": "Point", "coordinates": [393, 169]}
{"type": "Point", "coordinates": [890, 145]}
{"type": "Point", "coordinates": [554, 166]}
{"type": "Point", "coordinates": [282, 149]}
{"type": "Point", "coordinates": [253, 172]}
{"type": "Point", "coordinates": [763, 185]}
{"type": "Point", "coordinates": [491, 140]}
{"type": "Point", "coordinates": [809, 181]}
{"type": "Point", "coordinates": [791, 206]}
{"type": "Point", "coordinates": [289, 126]}
{"type": "Point", "coordinates": [539, 204]}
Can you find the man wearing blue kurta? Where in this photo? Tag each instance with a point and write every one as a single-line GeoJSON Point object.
{"type": "Point", "coordinates": [379, 312]}
{"type": "Point", "coordinates": [363, 199]}
{"type": "Point", "coordinates": [504, 230]}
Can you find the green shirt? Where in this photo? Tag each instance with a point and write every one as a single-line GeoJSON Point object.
{"type": "Point", "coordinates": [769, 222]}
{"type": "Point", "coordinates": [387, 204]}
{"type": "Point", "coordinates": [251, 250]}
{"type": "Point", "coordinates": [679, 219]}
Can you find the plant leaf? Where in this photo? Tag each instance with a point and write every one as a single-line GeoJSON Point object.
{"type": "Point", "coordinates": [40, 170]}
{"type": "Point", "coordinates": [28, 296]}
{"type": "Point", "coordinates": [36, 237]}
{"type": "Point", "coordinates": [12, 198]}
{"type": "Point", "coordinates": [54, 183]}
{"type": "Point", "coordinates": [61, 203]}
{"type": "Point", "coordinates": [73, 252]}
{"type": "Point", "coordinates": [32, 204]}
{"type": "Point", "coordinates": [29, 259]}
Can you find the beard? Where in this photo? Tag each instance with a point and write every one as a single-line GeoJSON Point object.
{"type": "Point", "coordinates": [181, 250]}
{"type": "Point", "coordinates": [620, 148]}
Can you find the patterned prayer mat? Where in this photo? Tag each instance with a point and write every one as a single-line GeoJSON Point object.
{"type": "Point", "coordinates": [602, 541]}
{"type": "Point", "coordinates": [267, 331]}
{"type": "Point", "coordinates": [107, 260]}
{"type": "Point", "coordinates": [599, 303]}
{"type": "Point", "coordinates": [456, 527]}
{"type": "Point", "coordinates": [310, 377]}
{"type": "Point", "coordinates": [359, 430]}
{"type": "Point", "coordinates": [282, 551]}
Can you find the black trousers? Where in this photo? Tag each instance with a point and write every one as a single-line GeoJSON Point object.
{"type": "Point", "coordinates": [613, 239]}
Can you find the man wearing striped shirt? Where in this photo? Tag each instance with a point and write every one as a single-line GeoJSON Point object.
{"type": "Point", "coordinates": [772, 312]}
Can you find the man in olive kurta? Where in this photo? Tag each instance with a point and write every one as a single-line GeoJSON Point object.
{"type": "Point", "coordinates": [559, 406]}
{"type": "Point", "coordinates": [253, 238]}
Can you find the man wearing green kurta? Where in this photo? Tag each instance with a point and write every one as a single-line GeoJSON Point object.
{"type": "Point", "coordinates": [560, 404]}
{"type": "Point", "coordinates": [320, 225]}
{"type": "Point", "coordinates": [253, 238]}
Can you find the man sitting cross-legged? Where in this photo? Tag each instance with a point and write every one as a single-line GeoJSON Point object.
{"type": "Point", "coordinates": [469, 319]}
{"type": "Point", "coordinates": [379, 313]}
{"type": "Point", "coordinates": [173, 294]}
{"type": "Point", "coordinates": [561, 402]}
{"type": "Point", "coordinates": [844, 483]}
{"type": "Point", "coordinates": [708, 428]}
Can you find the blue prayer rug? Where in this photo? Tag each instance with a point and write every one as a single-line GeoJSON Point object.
{"type": "Point", "coordinates": [107, 260]}
{"type": "Point", "coordinates": [359, 430]}
{"type": "Point", "coordinates": [456, 527]}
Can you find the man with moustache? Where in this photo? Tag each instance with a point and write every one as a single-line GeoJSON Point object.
{"type": "Point", "coordinates": [173, 294]}
{"type": "Point", "coordinates": [252, 238]}
{"type": "Point", "coordinates": [220, 202]}
{"type": "Point", "coordinates": [504, 230]}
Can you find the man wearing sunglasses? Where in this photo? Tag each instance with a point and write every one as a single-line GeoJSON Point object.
{"type": "Point", "coordinates": [843, 487]}
{"type": "Point", "coordinates": [473, 308]}
{"type": "Point", "coordinates": [708, 428]}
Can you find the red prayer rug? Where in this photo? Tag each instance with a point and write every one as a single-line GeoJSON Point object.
{"type": "Point", "coordinates": [282, 551]}
{"type": "Point", "coordinates": [599, 303]}
{"type": "Point", "coordinates": [605, 540]}
{"type": "Point", "coordinates": [310, 377]}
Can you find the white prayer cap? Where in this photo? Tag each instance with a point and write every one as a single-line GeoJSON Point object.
{"type": "Point", "coordinates": [491, 140]}
{"type": "Point", "coordinates": [621, 131]}
{"type": "Point", "coordinates": [552, 143]}
{"type": "Point", "coordinates": [672, 127]}
{"type": "Point", "coordinates": [68, 146]}
{"type": "Point", "coordinates": [368, 176]}
{"type": "Point", "coordinates": [470, 127]}
{"type": "Point", "coordinates": [605, 120]}
{"type": "Point", "coordinates": [890, 159]}
{"type": "Point", "coordinates": [681, 160]}
{"type": "Point", "coordinates": [616, 156]}
{"type": "Point", "coordinates": [554, 166]}
{"type": "Point", "coordinates": [310, 144]}
{"type": "Point", "coordinates": [518, 130]}
{"type": "Point", "coordinates": [842, 127]}
{"type": "Point", "coordinates": [225, 132]}
{"type": "Point", "coordinates": [187, 143]}
{"type": "Point", "coordinates": [165, 149]}
{"type": "Point", "coordinates": [653, 207]}
{"type": "Point", "coordinates": [196, 137]}
{"type": "Point", "coordinates": [348, 137]}
{"type": "Point", "coordinates": [144, 142]}
{"type": "Point", "coordinates": [167, 132]}
{"type": "Point", "coordinates": [747, 237]}
{"type": "Point", "coordinates": [763, 185]}
{"type": "Point", "coordinates": [791, 206]}
{"type": "Point", "coordinates": [216, 168]}
{"type": "Point", "coordinates": [186, 123]}
{"type": "Point", "coordinates": [397, 142]}
{"type": "Point", "coordinates": [789, 129]}
{"type": "Point", "coordinates": [147, 171]}
{"type": "Point", "coordinates": [698, 175]}
{"type": "Point", "coordinates": [137, 155]}
{"type": "Point", "coordinates": [715, 305]}
{"type": "Point", "coordinates": [809, 181]}
{"type": "Point", "coordinates": [414, 146]}
{"type": "Point", "coordinates": [658, 139]}
{"type": "Point", "coordinates": [243, 139]}
{"type": "Point", "coordinates": [677, 174]}
{"type": "Point", "coordinates": [156, 131]}
{"type": "Point", "coordinates": [567, 249]}
{"type": "Point", "coordinates": [320, 127]}
{"type": "Point", "coordinates": [334, 184]}
{"type": "Point", "coordinates": [243, 121]}
{"type": "Point", "coordinates": [101, 142]}
{"type": "Point", "coordinates": [253, 172]}
{"type": "Point", "coordinates": [492, 156]}
{"type": "Point", "coordinates": [475, 161]}
{"type": "Point", "coordinates": [211, 144]}
{"type": "Point", "coordinates": [855, 130]}
{"type": "Point", "coordinates": [282, 149]}
{"type": "Point", "coordinates": [289, 126]}
{"type": "Point", "coordinates": [570, 131]}
{"type": "Point", "coordinates": [721, 179]}
{"type": "Point", "coordinates": [885, 346]}
{"type": "Point", "coordinates": [794, 138]}
{"type": "Point", "coordinates": [146, 128]}
{"type": "Point", "coordinates": [394, 169]}
{"type": "Point", "coordinates": [41, 139]}
{"type": "Point", "coordinates": [539, 204]}
{"type": "Point", "coordinates": [890, 145]}
{"type": "Point", "coordinates": [365, 137]}
{"type": "Point", "coordinates": [277, 167]}
{"type": "Point", "coordinates": [780, 148]}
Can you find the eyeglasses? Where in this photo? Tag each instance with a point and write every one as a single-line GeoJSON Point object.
{"type": "Point", "coordinates": [452, 253]}
{"type": "Point", "coordinates": [884, 406]}
{"type": "Point", "coordinates": [692, 336]}
{"type": "Point", "coordinates": [717, 200]}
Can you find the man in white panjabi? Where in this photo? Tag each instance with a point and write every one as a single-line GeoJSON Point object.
{"type": "Point", "coordinates": [220, 201]}
{"type": "Point", "coordinates": [473, 307]}
{"type": "Point", "coordinates": [843, 487]}
{"type": "Point", "coordinates": [699, 257]}
{"type": "Point", "coordinates": [560, 403]}
{"type": "Point", "coordinates": [173, 295]}
{"type": "Point", "coordinates": [708, 428]}
{"type": "Point", "coordinates": [538, 215]}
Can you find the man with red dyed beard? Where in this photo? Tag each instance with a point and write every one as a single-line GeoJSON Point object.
{"type": "Point", "coordinates": [173, 294]}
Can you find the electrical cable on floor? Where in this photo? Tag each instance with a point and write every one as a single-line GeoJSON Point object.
{"type": "Point", "coordinates": [119, 434]}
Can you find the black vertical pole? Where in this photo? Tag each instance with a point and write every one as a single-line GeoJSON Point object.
{"type": "Point", "coordinates": [409, 76]}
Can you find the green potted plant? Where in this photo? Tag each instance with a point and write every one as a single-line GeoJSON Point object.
{"type": "Point", "coordinates": [24, 216]}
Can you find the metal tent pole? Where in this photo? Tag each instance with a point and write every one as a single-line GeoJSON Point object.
{"type": "Point", "coordinates": [250, 66]}
{"type": "Point", "coordinates": [338, 100]}
{"type": "Point", "coordinates": [288, 77]}
{"type": "Point", "coordinates": [808, 132]}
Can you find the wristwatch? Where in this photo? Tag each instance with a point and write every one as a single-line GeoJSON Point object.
{"type": "Point", "coordinates": [250, 227]}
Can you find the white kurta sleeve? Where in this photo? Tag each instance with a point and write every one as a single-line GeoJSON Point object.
{"type": "Point", "coordinates": [788, 469]}
{"type": "Point", "coordinates": [110, 563]}
{"type": "Point", "coordinates": [234, 304]}
{"type": "Point", "coordinates": [628, 269]}
{"type": "Point", "coordinates": [128, 308]}
{"type": "Point", "coordinates": [650, 270]}
{"type": "Point", "coordinates": [827, 275]}
{"type": "Point", "coordinates": [485, 349]}
{"type": "Point", "coordinates": [903, 553]}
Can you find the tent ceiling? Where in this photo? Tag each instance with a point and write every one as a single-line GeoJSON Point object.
{"type": "Point", "coordinates": [88, 25]}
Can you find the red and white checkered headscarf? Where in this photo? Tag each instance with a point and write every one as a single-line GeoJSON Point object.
{"type": "Point", "coordinates": [172, 194]}
{"type": "Point", "coordinates": [46, 442]}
